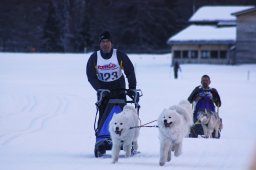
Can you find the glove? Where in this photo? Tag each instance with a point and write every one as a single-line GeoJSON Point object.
{"type": "Point", "coordinates": [132, 94]}
{"type": "Point", "coordinates": [209, 95]}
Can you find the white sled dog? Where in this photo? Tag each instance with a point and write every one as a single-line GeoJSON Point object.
{"type": "Point", "coordinates": [210, 121]}
{"type": "Point", "coordinates": [174, 124]}
{"type": "Point", "coordinates": [121, 134]}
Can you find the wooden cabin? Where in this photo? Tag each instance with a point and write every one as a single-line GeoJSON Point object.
{"type": "Point", "coordinates": [246, 36]}
{"type": "Point", "coordinates": [204, 44]}
{"type": "Point", "coordinates": [211, 37]}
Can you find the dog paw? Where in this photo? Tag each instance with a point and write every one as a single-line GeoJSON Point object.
{"type": "Point", "coordinates": [161, 163]}
{"type": "Point", "coordinates": [114, 161]}
{"type": "Point", "coordinates": [128, 154]}
{"type": "Point", "coordinates": [208, 136]}
{"type": "Point", "coordinates": [177, 153]}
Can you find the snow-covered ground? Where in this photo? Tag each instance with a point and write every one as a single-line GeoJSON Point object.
{"type": "Point", "coordinates": [47, 113]}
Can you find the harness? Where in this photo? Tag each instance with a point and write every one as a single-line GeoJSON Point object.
{"type": "Point", "coordinates": [144, 125]}
{"type": "Point", "coordinates": [216, 114]}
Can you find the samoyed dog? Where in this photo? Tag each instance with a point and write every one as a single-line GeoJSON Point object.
{"type": "Point", "coordinates": [174, 124]}
{"type": "Point", "coordinates": [122, 133]}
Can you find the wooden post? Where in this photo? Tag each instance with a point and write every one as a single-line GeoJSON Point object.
{"type": "Point", "coordinates": [248, 75]}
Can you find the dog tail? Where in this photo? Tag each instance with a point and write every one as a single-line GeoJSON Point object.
{"type": "Point", "coordinates": [127, 110]}
{"type": "Point", "coordinates": [127, 107]}
{"type": "Point", "coordinates": [184, 108]}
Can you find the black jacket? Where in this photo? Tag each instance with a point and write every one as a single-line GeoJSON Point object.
{"type": "Point", "coordinates": [195, 95]}
{"type": "Point", "coordinates": [125, 64]}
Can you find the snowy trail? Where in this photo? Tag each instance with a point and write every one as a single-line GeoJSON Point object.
{"type": "Point", "coordinates": [47, 113]}
{"type": "Point", "coordinates": [35, 121]}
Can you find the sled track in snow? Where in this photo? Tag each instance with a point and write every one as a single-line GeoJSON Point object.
{"type": "Point", "coordinates": [28, 106]}
{"type": "Point", "coordinates": [37, 123]}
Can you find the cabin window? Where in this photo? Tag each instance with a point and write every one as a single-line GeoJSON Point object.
{"type": "Point", "coordinates": [223, 54]}
{"type": "Point", "coordinates": [194, 54]}
{"type": "Point", "coordinates": [214, 54]}
{"type": "Point", "coordinates": [177, 54]}
{"type": "Point", "coordinates": [205, 54]}
{"type": "Point", "coordinates": [185, 54]}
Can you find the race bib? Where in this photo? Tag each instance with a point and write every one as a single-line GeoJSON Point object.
{"type": "Point", "coordinates": [108, 70]}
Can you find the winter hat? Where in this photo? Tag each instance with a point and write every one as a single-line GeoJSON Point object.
{"type": "Point", "coordinates": [105, 35]}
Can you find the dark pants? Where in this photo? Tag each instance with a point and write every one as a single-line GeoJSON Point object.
{"type": "Point", "coordinates": [175, 74]}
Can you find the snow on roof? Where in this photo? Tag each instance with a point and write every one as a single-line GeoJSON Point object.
{"type": "Point", "coordinates": [217, 13]}
{"type": "Point", "coordinates": [195, 33]}
{"type": "Point", "coordinates": [244, 11]}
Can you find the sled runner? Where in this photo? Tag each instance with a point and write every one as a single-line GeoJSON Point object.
{"type": "Point", "coordinates": [103, 139]}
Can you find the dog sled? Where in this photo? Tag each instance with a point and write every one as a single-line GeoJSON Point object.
{"type": "Point", "coordinates": [103, 139]}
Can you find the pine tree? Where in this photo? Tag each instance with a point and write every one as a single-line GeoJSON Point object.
{"type": "Point", "coordinates": [51, 40]}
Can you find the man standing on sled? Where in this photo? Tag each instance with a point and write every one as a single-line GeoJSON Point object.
{"type": "Point", "coordinates": [204, 99]}
{"type": "Point", "coordinates": [104, 71]}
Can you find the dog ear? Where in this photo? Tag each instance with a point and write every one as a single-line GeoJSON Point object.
{"type": "Point", "coordinates": [114, 114]}
{"type": "Point", "coordinates": [166, 111]}
{"type": "Point", "coordinates": [172, 107]}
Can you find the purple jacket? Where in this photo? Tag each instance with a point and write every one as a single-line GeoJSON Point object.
{"type": "Point", "coordinates": [205, 99]}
